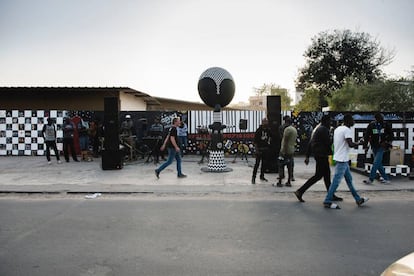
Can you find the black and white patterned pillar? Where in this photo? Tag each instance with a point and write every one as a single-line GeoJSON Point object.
{"type": "Point", "coordinates": [216, 88]}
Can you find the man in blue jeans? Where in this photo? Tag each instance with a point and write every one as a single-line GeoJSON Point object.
{"type": "Point", "coordinates": [342, 144]}
{"type": "Point", "coordinates": [174, 151]}
{"type": "Point", "coordinates": [379, 135]}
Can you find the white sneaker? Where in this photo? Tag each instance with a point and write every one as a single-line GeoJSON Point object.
{"type": "Point", "coordinates": [368, 181]}
{"type": "Point", "coordinates": [49, 162]}
{"type": "Point", "coordinates": [331, 206]}
{"type": "Point", "coordinates": [362, 200]}
{"type": "Point", "coordinates": [383, 181]}
{"type": "Point", "coordinates": [59, 162]}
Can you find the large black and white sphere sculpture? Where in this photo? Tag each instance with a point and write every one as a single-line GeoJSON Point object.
{"type": "Point", "coordinates": [216, 89]}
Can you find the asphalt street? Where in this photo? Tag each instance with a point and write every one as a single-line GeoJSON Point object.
{"type": "Point", "coordinates": [77, 219]}
{"type": "Point", "coordinates": [203, 235]}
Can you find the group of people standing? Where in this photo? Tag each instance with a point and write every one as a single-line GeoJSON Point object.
{"type": "Point", "coordinates": [86, 133]}
{"type": "Point", "coordinates": [263, 140]}
{"type": "Point", "coordinates": [378, 135]}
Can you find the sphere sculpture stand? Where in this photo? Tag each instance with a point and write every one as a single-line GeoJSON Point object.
{"type": "Point", "coordinates": [216, 88]}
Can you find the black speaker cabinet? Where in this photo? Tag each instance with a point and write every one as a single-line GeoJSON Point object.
{"type": "Point", "coordinates": [243, 124]}
{"type": "Point", "coordinates": [111, 124]}
{"type": "Point", "coordinates": [112, 159]}
{"type": "Point", "coordinates": [274, 109]}
{"type": "Point", "coordinates": [274, 116]}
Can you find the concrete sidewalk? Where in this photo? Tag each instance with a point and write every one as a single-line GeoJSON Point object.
{"type": "Point", "coordinates": [33, 175]}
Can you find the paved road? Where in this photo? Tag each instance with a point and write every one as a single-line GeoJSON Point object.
{"type": "Point", "coordinates": [202, 235]}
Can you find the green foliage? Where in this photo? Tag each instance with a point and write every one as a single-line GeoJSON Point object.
{"type": "Point", "coordinates": [310, 101]}
{"type": "Point", "coordinates": [345, 98]}
{"type": "Point", "coordinates": [389, 95]}
{"type": "Point", "coordinates": [340, 54]}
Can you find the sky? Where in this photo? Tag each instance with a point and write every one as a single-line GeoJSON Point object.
{"type": "Point", "coordinates": [161, 47]}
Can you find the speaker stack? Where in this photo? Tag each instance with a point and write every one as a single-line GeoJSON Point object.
{"type": "Point", "coordinates": [274, 117]}
{"type": "Point", "coordinates": [111, 155]}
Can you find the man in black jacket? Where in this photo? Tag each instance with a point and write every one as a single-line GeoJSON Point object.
{"type": "Point", "coordinates": [320, 147]}
{"type": "Point", "coordinates": [379, 135]}
{"type": "Point", "coordinates": [262, 139]}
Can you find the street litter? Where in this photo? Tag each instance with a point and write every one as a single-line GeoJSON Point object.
{"type": "Point", "coordinates": [92, 196]}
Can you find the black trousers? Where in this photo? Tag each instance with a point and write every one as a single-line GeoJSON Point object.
{"type": "Point", "coordinates": [260, 156]}
{"type": "Point", "coordinates": [322, 170]}
{"type": "Point", "coordinates": [68, 144]}
{"type": "Point", "coordinates": [51, 144]}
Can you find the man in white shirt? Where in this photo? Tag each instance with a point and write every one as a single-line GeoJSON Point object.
{"type": "Point", "coordinates": [342, 144]}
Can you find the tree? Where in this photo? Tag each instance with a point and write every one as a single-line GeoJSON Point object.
{"type": "Point", "coordinates": [334, 56]}
{"type": "Point", "coordinates": [310, 101]}
{"type": "Point", "coordinates": [346, 98]}
{"type": "Point", "coordinates": [276, 90]}
{"type": "Point", "coordinates": [390, 95]}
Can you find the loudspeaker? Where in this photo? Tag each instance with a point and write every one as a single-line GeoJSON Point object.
{"type": "Point", "coordinates": [274, 117]}
{"type": "Point", "coordinates": [273, 109]}
{"type": "Point", "coordinates": [111, 124]}
{"type": "Point", "coordinates": [243, 124]}
{"type": "Point", "coordinates": [112, 159]}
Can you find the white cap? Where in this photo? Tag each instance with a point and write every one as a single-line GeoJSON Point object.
{"type": "Point", "coordinates": [128, 116]}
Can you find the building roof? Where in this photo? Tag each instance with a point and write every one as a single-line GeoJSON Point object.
{"type": "Point", "coordinates": [45, 92]}
{"type": "Point", "coordinates": [153, 103]}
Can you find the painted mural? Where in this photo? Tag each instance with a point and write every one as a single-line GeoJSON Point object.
{"type": "Point", "coordinates": [20, 130]}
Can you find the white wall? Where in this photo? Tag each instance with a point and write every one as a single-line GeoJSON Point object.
{"type": "Point", "coordinates": [131, 103]}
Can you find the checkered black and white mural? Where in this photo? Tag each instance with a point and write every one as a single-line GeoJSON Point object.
{"type": "Point", "coordinates": [21, 131]}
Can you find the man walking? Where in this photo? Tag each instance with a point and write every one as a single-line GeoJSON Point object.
{"type": "Point", "coordinates": [320, 147]}
{"type": "Point", "coordinates": [342, 144]}
{"type": "Point", "coordinates": [171, 142]}
{"type": "Point", "coordinates": [379, 135]}
{"type": "Point", "coordinates": [262, 141]}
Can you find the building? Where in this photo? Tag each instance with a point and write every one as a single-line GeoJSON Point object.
{"type": "Point", "coordinates": [258, 102]}
{"type": "Point", "coordinates": [88, 98]}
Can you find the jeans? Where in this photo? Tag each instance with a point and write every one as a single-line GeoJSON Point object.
{"type": "Point", "coordinates": [172, 153]}
{"type": "Point", "coordinates": [183, 143]}
{"type": "Point", "coordinates": [341, 170]}
{"type": "Point", "coordinates": [377, 164]}
{"type": "Point", "coordinates": [84, 143]}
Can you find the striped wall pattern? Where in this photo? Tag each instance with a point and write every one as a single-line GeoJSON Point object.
{"type": "Point", "coordinates": [229, 118]}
